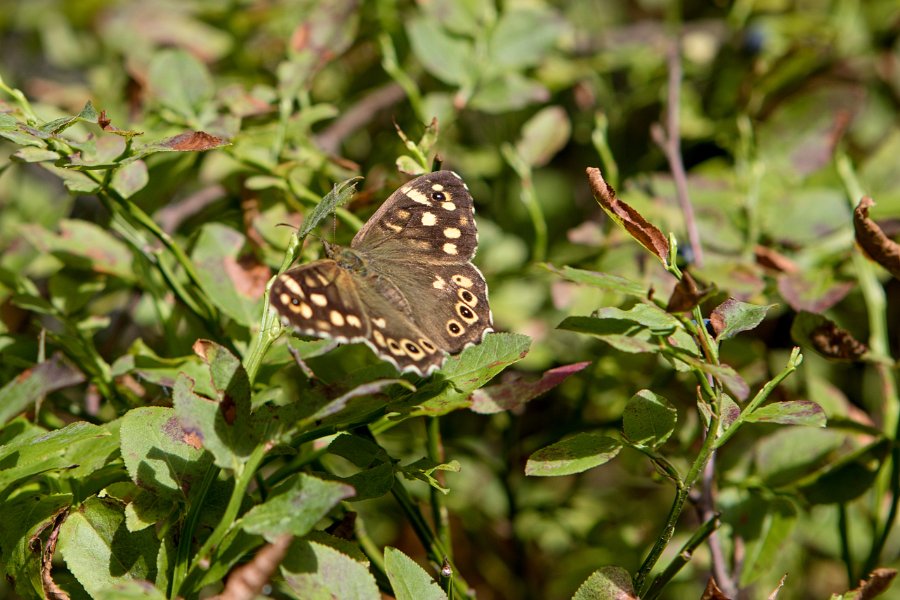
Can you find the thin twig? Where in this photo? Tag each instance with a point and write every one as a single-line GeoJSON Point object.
{"type": "Point", "coordinates": [669, 140]}
{"type": "Point", "coordinates": [358, 115]}
{"type": "Point", "coordinates": [726, 581]}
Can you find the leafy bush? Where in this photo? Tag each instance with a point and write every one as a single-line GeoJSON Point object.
{"type": "Point", "coordinates": [656, 431]}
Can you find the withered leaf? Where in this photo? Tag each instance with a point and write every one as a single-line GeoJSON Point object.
{"type": "Point", "coordinates": [826, 337]}
{"type": "Point", "coordinates": [771, 259]}
{"type": "Point", "coordinates": [686, 295]}
{"type": "Point", "coordinates": [647, 234]}
{"type": "Point", "coordinates": [193, 141]}
{"type": "Point", "coordinates": [870, 237]}
{"type": "Point", "coordinates": [876, 584]}
{"type": "Point", "coordinates": [50, 587]}
{"type": "Point", "coordinates": [712, 591]}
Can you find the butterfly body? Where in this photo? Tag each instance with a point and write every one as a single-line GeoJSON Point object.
{"type": "Point", "coordinates": [405, 286]}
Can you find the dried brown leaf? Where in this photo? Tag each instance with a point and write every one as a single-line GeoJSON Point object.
{"type": "Point", "coordinates": [870, 237]}
{"type": "Point", "coordinates": [647, 234]}
{"type": "Point", "coordinates": [247, 581]}
{"type": "Point", "coordinates": [712, 592]}
{"type": "Point", "coordinates": [51, 589]}
{"type": "Point", "coordinates": [835, 342]}
{"type": "Point", "coordinates": [876, 584]}
{"type": "Point", "coordinates": [193, 141]}
{"type": "Point", "coordinates": [686, 295]}
{"type": "Point", "coordinates": [774, 593]}
{"type": "Point", "coordinates": [771, 259]}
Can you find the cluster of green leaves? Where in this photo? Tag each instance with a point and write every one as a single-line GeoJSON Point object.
{"type": "Point", "coordinates": [161, 435]}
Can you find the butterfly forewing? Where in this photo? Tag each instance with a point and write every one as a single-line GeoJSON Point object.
{"type": "Point", "coordinates": [406, 286]}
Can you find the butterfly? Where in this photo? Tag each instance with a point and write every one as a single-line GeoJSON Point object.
{"type": "Point", "coordinates": [405, 286]}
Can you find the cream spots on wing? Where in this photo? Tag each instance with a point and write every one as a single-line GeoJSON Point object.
{"type": "Point", "coordinates": [395, 347]}
{"type": "Point", "coordinates": [417, 196]}
{"type": "Point", "coordinates": [467, 297]}
{"type": "Point", "coordinates": [379, 338]}
{"type": "Point", "coordinates": [319, 299]}
{"type": "Point", "coordinates": [452, 233]}
{"type": "Point", "coordinates": [337, 319]}
{"type": "Point", "coordinates": [393, 226]}
{"type": "Point", "coordinates": [292, 285]}
{"type": "Point", "coordinates": [462, 281]}
{"type": "Point", "coordinates": [353, 321]}
{"type": "Point", "coordinates": [428, 219]}
{"type": "Point", "coordinates": [464, 220]}
{"type": "Point", "coordinates": [323, 325]}
{"type": "Point", "coordinates": [450, 248]}
{"type": "Point", "coordinates": [466, 313]}
{"type": "Point", "coordinates": [380, 322]}
{"type": "Point", "coordinates": [403, 214]}
{"type": "Point", "coordinates": [322, 279]}
{"type": "Point", "coordinates": [455, 174]}
{"type": "Point", "coordinates": [285, 298]}
{"type": "Point", "coordinates": [429, 347]}
{"type": "Point", "coordinates": [310, 282]}
{"type": "Point", "coordinates": [412, 350]}
{"type": "Point", "coordinates": [305, 310]}
{"type": "Point", "coordinates": [448, 206]}
{"type": "Point", "coordinates": [437, 187]}
{"type": "Point", "coordinates": [454, 328]}
{"type": "Point", "coordinates": [439, 283]}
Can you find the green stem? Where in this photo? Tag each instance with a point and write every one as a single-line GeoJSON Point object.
{"type": "Point", "coordinates": [439, 512]}
{"type": "Point", "coordinates": [683, 557]}
{"type": "Point", "coordinates": [182, 554]}
{"type": "Point", "coordinates": [844, 531]}
{"type": "Point", "coordinates": [433, 546]}
{"type": "Point", "coordinates": [681, 494]}
{"type": "Point", "coordinates": [243, 477]}
{"type": "Point", "coordinates": [793, 362]}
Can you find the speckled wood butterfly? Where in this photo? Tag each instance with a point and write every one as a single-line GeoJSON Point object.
{"type": "Point", "coordinates": [406, 286]}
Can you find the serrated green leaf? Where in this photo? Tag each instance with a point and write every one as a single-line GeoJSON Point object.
{"type": "Point", "coordinates": [315, 571]}
{"type": "Point", "coordinates": [294, 507]}
{"type": "Point", "coordinates": [130, 178]}
{"type": "Point", "coordinates": [408, 580]}
{"type": "Point", "coordinates": [606, 583]}
{"type": "Point", "coordinates": [648, 419]}
{"type": "Point", "coordinates": [99, 550]}
{"type": "Point", "coordinates": [572, 455]}
{"type": "Point", "coordinates": [159, 454]}
{"type": "Point", "coordinates": [340, 194]}
{"type": "Point", "coordinates": [464, 373]}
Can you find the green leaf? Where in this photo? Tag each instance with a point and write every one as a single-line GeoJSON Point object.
{"type": "Point", "coordinates": [408, 580]}
{"type": "Point", "coordinates": [376, 477]}
{"type": "Point", "coordinates": [133, 589]}
{"type": "Point", "coordinates": [21, 393]}
{"type": "Point", "coordinates": [146, 365]}
{"type": "Point", "coordinates": [146, 509]}
{"type": "Point", "coordinates": [224, 429]}
{"type": "Point", "coordinates": [33, 155]}
{"type": "Point", "coordinates": [159, 454]}
{"type": "Point", "coordinates": [572, 455]}
{"type": "Point", "coordinates": [447, 57]}
{"type": "Point", "coordinates": [130, 178]}
{"type": "Point", "coordinates": [38, 452]}
{"type": "Point", "coordinates": [25, 516]}
{"type": "Point", "coordinates": [340, 194]}
{"type": "Point", "coordinates": [648, 419]}
{"type": "Point", "coordinates": [506, 92]}
{"type": "Point", "coordinates": [180, 82]}
{"type": "Point", "coordinates": [100, 551]}
{"type": "Point", "coordinates": [314, 571]}
{"type": "Point", "coordinates": [733, 316]}
{"type": "Point", "coordinates": [231, 285]}
{"type": "Point", "coordinates": [424, 468]}
{"type": "Point", "coordinates": [606, 583]}
{"type": "Point", "coordinates": [765, 538]}
{"type": "Point", "coordinates": [86, 246]}
{"type": "Point", "coordinates": [791, 412]}
{"type": "Point", "coordinates": [543, 135]}
{"type": "Point", "coordinates": [294, 507]}
{"type": "Point", "coordinates": [468, 371]}
{"type": "Point", "coordinates": [522, 39]}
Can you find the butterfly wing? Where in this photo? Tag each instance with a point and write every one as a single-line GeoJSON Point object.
{"type": "Point", "coordinates": [418, 247]}
{"type": "Point", "coordinates": [322, 299]}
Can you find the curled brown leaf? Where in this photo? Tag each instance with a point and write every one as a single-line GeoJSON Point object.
{"type": "Point", "coordinates": [686, 295]}
{"type": "Point", "coordinates": [870, 237]}
{"type": "Point", "coordinates": [647, 234]}
{"type": "Point", "coordinates": [246, 582]}
{"type": "Point", "coordinates": [835, 342]}
{"type": "Point", "coordinates": [193, 141]}
{"type": "Point", "coordinates": [874, 585]}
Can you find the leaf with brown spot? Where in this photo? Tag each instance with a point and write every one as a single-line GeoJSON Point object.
{"type": "Point", "coordinates": [192, 141]}
{"type": "Point", "coordinates": [875, 585]}
{"type": "Point", "coordinates": [644, 232]}
{"type": "Point", "coordinates": [814, 291]}
{"type": "Point", "coordinates": [876, 245]}
{"type": "Point", "coordinates": [826, 337]}
{"type": "Point", "coordinates": [513, 394]}
{"type": "Point", "coordinates": [686, 294]}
